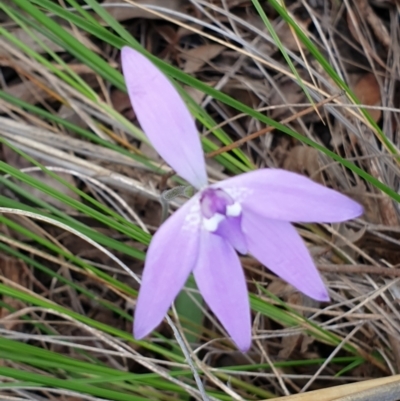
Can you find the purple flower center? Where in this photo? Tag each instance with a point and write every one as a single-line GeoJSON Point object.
{"type": "Point", "coordinates": [214, 201]}
{"type": "Point", "coordinates": [223, 216]}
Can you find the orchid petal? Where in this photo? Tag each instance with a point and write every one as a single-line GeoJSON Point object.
{"type": "Point", "coordinates": [282, 195]}
{"type": "Point", "coordinates": [230, 228]}
{"type": "Point", "coordinates": [164, 117]}
{"type": "Point", "coordinates": [278, 246]}
{"type": "Point", "coordinates": [220, 279]}
{"type": "Point", "coordinates": [171, 257]}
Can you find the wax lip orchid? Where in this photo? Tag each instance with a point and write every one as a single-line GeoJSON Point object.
{"type": "Point", "coordinates": [249, 213]}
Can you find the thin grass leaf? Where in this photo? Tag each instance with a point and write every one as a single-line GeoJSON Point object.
{"type": "Point", "coordinates": [282, 49]}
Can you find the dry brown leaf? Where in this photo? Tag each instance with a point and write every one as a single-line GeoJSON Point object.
{"type": "Point", "coordinates": [36, 46]}
{"type": "Point", "coordinates": [148, 151]}
{"type": "Point", "coordinates": [368, 92]}
{"type": "Point", "coordinates": [280, 288]}
{"type": "Point", "coordinates": [352, 21]}
{"type": "Point", "coordinates": [242, 92]}
{"type": "Point", "coordinates": [374, 22]}
{"type": "Point", "coordinates": [27, 40]}
{"type": "Point", "coordinates": [289, 343]}
{"type": "Point", "coordinates": [196, 94]}
{"type": "Point", "coordinates": [304, 160]}
{"type": "Point", "coordinates": [68, 114]}
{"type": "Point", "coordinates": [293, 94]}
{"type": "Point", "coordinates": [198, 56]}
{"type": "Point", "coordinates": [12, 270]}
{"type": "Point", "coordinates": [351, 235]}
{"type": "Point", "coordinates": [347, 235]}
{"type": "Point", "coordinates": [306, 341]}
{"type": "Point", "coordinates": [120, 101]}
{"type": "Point", "coordinates": [287, 36]}
{"type": "Point", "coordinates": [370, 203]}
{"type": "Point", "coordinates": [28, 92]}
{"type": "Point", "coordinates": [129, 11]}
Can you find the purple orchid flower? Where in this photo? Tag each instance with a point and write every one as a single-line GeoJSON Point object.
{"type": "Point", "coordinates": [249, 213]}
